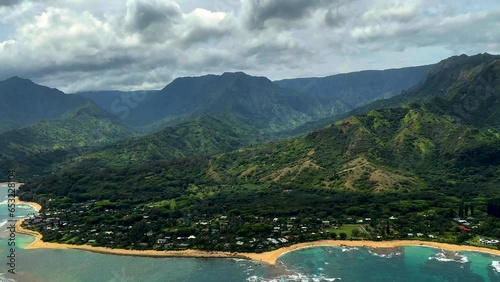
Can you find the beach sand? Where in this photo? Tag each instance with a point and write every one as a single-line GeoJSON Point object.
{"type": "Point", "coordinates": [272, 257]}
{"type": "Point", "coordinates": [267, 257]}
{"type": "Point", "coordinates": [37, 206]}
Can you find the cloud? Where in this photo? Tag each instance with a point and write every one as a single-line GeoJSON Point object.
{"type": "Point", "coordinates": [78, 45]}
{"type": "Point", "coordinates": [7, 3]}
{"type": "Point", "coordinates": [202, 26]}
{"type": "Point", "coordinates": [334, 18]}
{"type": "Point", "coordinates": [153, 20]}
{"type": "Point", "coordinates": [257, 14]}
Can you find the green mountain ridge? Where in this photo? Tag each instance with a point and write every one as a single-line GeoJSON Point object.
{"type": "Point", "coordinates": [444, 84]}
{"type": "Point", "coordinates": [398, 149]}
{"type": "Point", "coordinates": [35, 148]}
{"type": "Point", "coordinates": [255, 99]}
{"type": "Point", "coordinates": [359, 88]}
{"type": "Point", "coordinates": [447, 80]}
{"type": "Point", "coordinates": [26, 103]}
{"type": "Point", "coordinates": [206, 135]}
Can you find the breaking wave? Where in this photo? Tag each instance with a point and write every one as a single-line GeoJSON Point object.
{"type": "Point", "coordinates": [293, 277]}
{"type": "Point", "coordinates": [442, 256]}
{"type": "Point", "coordinates": [496, 265]}
{"type": "Point", "coordinates": [387, 255]}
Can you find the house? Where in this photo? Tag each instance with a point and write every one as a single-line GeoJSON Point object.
{"type": "Point", "coordinates": [420, 235]}
{"type": "Point", "coordinates": [161, 241]}
{"type": "Point", "coordinates": [463, 228]}
{"type": "Point", "coordinates": [272, 240]}
{"type": "Point", "coordinates": [283, 240]}
{"type": "Point", "coordinates": [239, 243]}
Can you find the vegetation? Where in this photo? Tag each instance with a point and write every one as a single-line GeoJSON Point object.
{"type": "Point", "coordinates": [416, 171]}
{"type": "Point", "coordinates": [26, 103]}
{"type": "Point", "coordinates": [359, 88]}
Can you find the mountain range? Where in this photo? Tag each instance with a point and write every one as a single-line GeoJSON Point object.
{"type": "Point", "coordinates": [394, 149]}
{"type": "Point", "coordinates": [359, 88]}
{"type": "Point", "coordinates": [215, 114]}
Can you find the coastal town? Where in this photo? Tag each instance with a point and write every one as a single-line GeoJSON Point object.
{"type": "Point", "coordinates": [147, 229]}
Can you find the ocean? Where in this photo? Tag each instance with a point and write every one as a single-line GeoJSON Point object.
{"type": "Point", "coordinates": [312, 264]}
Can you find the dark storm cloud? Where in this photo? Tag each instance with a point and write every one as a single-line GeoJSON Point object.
{"type": "Point", "coordinates": [143, 14]}
{"type": "Point", "coordinates": [8, 3]}
{"type": "Point", "coordinates": [202, 34]}
{"type": "Point", "coordinates": [258, 12]}
{"type": "Point", "coordinates": [334, 18]}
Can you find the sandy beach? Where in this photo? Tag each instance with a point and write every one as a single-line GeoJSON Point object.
{"type": "Point", "coordinates": [272, 257]}
{"type": "Point", "coordinates": [37, 206]}
{"type": "Point", "coordinates": [267, 257]}
{"type": "Point", "coordinates": [39, 244]}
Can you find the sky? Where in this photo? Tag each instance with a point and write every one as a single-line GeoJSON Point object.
{"type": "Point", "coordinates": [81, 45]}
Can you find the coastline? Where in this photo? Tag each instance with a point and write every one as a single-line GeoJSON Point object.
{"type": "Point", "coordinates": [267, 257]}
{"type": "Point", "coordinates": [36, 206]}
{"type": "Point", "coordinates": [39, 244]}
{"type": "Point", "coordinates": [270, 257]}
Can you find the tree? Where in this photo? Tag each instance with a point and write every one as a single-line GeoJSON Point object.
{"type": "Point", "coordinates": [355, 233]}
{"type": "Point", "coordinates": [343, 236]}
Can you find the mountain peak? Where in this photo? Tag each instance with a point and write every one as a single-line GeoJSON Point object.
{"type": "Point", "coordinates": [242, 79]}
{"type": "Point", "coordinates": [237, 73]}
{"type": "Point", "coordinates": [18, 79]}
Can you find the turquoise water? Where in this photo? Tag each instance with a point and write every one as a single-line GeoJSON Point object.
{"type": "Point", "coordinates": [314, 264]}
